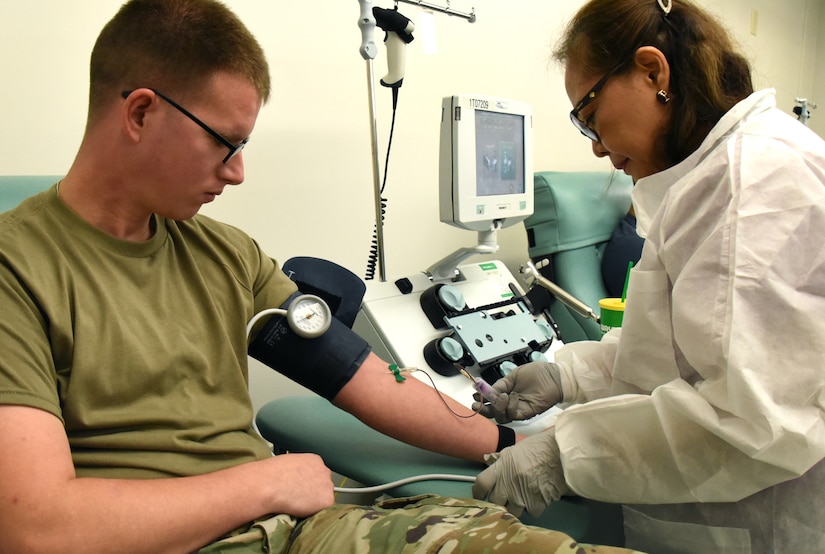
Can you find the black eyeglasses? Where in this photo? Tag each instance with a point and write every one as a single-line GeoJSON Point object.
{"type": "Point", "coordinates": [233, 148]}
{"type": "Point", "coordinates": [582, 126]}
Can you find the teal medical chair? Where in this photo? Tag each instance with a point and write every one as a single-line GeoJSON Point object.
{"type": "Point", "coordinates": [16, 188]}
{"type": "Point", "coordinates": [574, 215]}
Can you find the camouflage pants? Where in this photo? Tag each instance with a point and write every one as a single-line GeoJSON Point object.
{"type": "Point", "coordinates": [422, 524]}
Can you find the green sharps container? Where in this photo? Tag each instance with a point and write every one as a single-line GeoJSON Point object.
{"type": "Point", "coordinates": [612, 312]}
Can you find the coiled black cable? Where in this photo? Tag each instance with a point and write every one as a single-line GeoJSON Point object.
{"type": "Point", "coordinates": [372, 259]}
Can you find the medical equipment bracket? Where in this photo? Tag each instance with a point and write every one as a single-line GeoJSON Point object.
{"type": "Point", "coordinates": [533, 277]}
{"type": "Point", "coordinates": [803, 109]}
{"type": "Point", "coordinates": [470, 17]}
{"type": "Point", "coordinates": [446, 269]}
{"type": "Point", "coordinates": [368, 51]}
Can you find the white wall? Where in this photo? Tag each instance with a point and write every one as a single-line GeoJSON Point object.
{"type": "Point", "coordinates": [308, 187]}
{"type": "Point", "coordinates": [817, 122]}
{"type": "Point", "coordinates": [786, 49]}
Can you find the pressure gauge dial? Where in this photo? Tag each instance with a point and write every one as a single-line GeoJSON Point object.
{"type": "Point", "coordinates": [309, 316]}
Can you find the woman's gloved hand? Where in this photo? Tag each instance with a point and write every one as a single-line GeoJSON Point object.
{"type": "Point", "coordinates": [527, 391]}
{"type": "Point", "coordinates": [527, 475]}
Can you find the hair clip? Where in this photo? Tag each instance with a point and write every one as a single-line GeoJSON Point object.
{"type": "Point", "coordinates": [666, 5]}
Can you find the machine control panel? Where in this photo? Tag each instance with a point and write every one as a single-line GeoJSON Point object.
{"type": "Point", "coordinates": [479, 321]}
{"type": "Point", "coordinates": [486, 336]}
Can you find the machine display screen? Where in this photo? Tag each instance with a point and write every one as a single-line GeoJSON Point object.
{"type": "Point", "coordinates": [485, 177]}
{"type": "Point", "coordinates": [499, 153]}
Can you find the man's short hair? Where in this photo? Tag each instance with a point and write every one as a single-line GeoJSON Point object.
{"type": "Point", "coordinates": [174, 46]}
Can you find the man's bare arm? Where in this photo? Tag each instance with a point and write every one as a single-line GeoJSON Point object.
{"type": "Point", "coordinates": [44, 507]}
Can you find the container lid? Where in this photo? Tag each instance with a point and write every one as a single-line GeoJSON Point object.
{"type": "Point", "coordinates": [614, 304]}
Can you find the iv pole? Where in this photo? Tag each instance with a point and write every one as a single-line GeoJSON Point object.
{"type": "Point", "coordinates": [368, 51]}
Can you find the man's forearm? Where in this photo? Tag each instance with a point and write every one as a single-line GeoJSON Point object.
{"type": "Point", "coordinates": [413, 412]}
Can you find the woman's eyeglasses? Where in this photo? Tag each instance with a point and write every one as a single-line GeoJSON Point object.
{"type": "Point", "coordinates": [582, 126]}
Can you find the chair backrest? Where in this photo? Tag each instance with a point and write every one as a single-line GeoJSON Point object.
{"type": "Point", "coordinates": [16, 188]}
{"type": "Point", "coordinates": [574, 216]}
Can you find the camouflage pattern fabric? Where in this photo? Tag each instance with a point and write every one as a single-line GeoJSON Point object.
{"type": "Point", "coordinates": [421, 525]}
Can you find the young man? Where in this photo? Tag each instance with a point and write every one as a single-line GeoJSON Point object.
{"type": "Point", "coordinates": [125, 420]}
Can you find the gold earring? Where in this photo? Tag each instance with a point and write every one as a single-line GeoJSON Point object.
{"type": "Point", "coordinates": [663, 97]}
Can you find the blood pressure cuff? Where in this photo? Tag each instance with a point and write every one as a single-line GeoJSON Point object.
{"type": "Point", "coordinates": [326, 363]}
{"type": "Point", "coordinates": [323, 364]}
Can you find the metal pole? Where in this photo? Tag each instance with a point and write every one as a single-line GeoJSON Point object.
{"type": "Point", "coordinates": [366, 22]}
{"type": "Point", "coordinates": [379, 209]}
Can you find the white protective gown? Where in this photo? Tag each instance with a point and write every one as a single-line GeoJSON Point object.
{"type": "Point", "coordinates": [703, 411]}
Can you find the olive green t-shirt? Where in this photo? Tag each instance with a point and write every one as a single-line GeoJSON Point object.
{"type": "Point", "coordinates": [139, 348]}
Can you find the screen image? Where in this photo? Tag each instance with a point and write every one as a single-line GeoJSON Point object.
{"type": "Point", "coordinates": [499, 153]}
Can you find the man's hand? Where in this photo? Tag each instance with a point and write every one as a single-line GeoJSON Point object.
{"type": "Point", "coordinates": [527, 476]}
{"type": "Point", "coordinates": [304, 484]}
{"type": "Point", "coordinates": [527, 391]}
